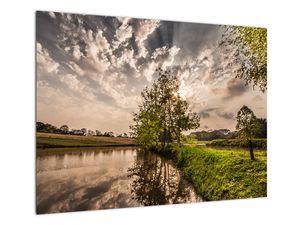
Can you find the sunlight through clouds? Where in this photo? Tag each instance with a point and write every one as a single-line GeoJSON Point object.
{"type": "Point", "coordinates": [105, 62]}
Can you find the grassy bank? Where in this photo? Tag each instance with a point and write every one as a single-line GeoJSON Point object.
{"type": "Point", "coordinates": [48, 140]}
{"type": "Point", "coordinates": [223, 174]}
{"type": "Point", "coordinates": [257, 143]}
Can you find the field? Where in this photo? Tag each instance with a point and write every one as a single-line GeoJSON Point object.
{"type": "Point", "coordinates": [259, 143]}
{"type": "Point", "coordinates": [224, 174]}
{"type": "Point", "coordinates": [49, 140]}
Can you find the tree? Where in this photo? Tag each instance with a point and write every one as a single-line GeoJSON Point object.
{"type": "Point", "coordinates": [108, 134]}
{"type": "Point", "coordinates": [98, 133]}
{"type": "Point", "coordinates": [262, 128]}
{"type": "Point", "coordinates": [84, 131]}
{"type": "Point", "coordinates": [250, 53]}
{"type": "Point", "coordinates": [247, 126]}
{"type": "Point", "coordinates": [46, 127]}
{"type": "Point", "coordinates": [163, 114]}
{"type": "Point", "coordinates": [64, 129]}
{"type": "Point", "coordinates": [90, 133]}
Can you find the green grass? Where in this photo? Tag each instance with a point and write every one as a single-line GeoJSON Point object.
{"type": "Point", "coordinates": [224, 174]}
{"type": "Point", "coordinates": [46, 140]}
{"type": "Point", "coordinates": [257, 143]}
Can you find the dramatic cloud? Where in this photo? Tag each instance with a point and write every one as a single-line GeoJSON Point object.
{"type": "Point", "coordinates": [226, 115]}
{"type": "Point", "coordinates": [233, 88]}
{"type": "Point", "coordinates": [92, 69]}
{"type": "Point", "coordinates": [45, 64]}
{"type": "Point", "coordinates": [123, 33]}
{"type": "Point", "coordinates": [164, 56]}
{"type": "Point", "coordinates": [218, 111]}
{"type": "Point", "coordinates": [142, 29]}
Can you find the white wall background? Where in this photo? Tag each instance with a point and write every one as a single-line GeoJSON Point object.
{"type": "Point", "coordinates": [17, 85]}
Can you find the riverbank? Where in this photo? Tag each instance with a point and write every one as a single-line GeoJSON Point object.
{"type": "Point", "coordinates": [49, 140]}
{"type": "Point", "coordinates": [223, 174]}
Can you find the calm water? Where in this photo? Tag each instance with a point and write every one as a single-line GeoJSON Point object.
{"type": "Point", "coordinates": [108, 178]}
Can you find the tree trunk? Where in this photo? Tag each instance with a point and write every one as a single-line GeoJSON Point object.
{"type": "Point", "coordinates": [251, 150]}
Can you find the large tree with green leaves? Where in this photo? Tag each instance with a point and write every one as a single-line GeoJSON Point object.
{"type": "Point", "coordinates": [163, 115]}
{"type": "Point", "coordinates": [247, 126]}
{"type": "Point", "coordinates": [250, 53]}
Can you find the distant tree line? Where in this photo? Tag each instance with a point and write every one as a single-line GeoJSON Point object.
{"type": "Point", "coordinates": [214, 134]}
{"type": "Point", "coordinates": [259, 132]}
{"type": "Point", "coordinates": [64, 129]}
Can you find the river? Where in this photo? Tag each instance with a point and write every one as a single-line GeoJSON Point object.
{"type": "Point", "coordinates": [106, 178]}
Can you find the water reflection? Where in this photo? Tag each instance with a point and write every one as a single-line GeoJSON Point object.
{"type": "Point", "coordinates": [107, 178]}
{"type": "Point", "coordinates": [84, 180]}
{"type": "Point", "coordinates": [157, 182]}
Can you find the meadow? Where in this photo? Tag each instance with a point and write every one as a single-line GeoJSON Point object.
{"type": "Point", "coordinates": [220, 174]}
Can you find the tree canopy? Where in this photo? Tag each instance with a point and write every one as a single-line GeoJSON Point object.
{"type": "Point", "coordinates": [250, 53]}
{"type": "Point", "coordinates": [247, 123]}
{"type": "Point", "coordinates": [163, 115]}
{"type": "Point", "coordinates": [248, 126]}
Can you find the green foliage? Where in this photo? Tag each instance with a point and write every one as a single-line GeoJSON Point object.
{"type": "Point", "coordinates": [248, 126]}
{"type": "Point", "coordinates": [190, 140]}
{"type": "Point", "coordinates": [224, 174]}
{"type": "Point", "coordinates": [247, 123]}
{"type": "Point", "coordinates": [262, 128]}
{"type": "Point", "coordinates": [46, 127]}
{"type": "Point", "coordinates": [162, 115]}
{"type": "Point", "coordinates": [149, 129]}
{"type": "Point", "coordinates": [250, 46]}
{"type": "Point", "coordinates": [259, 143]}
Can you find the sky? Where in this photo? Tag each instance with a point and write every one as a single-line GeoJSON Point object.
{"type": "Point", "coordinates": [91, 70]}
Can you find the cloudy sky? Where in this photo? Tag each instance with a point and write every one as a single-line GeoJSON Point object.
{"type": "Point", "coordinates": [92, 69]}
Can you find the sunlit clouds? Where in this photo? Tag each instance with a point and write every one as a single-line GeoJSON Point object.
{"type": "Point", "coordinates": [92, 69]}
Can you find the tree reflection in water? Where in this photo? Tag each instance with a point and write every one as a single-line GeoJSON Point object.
{"type": "Point", "coordinates": [157, 182]}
